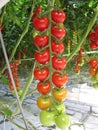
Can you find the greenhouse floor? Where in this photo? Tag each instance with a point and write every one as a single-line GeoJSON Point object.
{"type": "Point", "coordinates": [81, 104]}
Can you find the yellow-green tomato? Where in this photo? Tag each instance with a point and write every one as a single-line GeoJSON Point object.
{"type": "Point", "coordinates": [59, 107]}
{"type": "Point", "coordinates": [47, 118]}
{"type": "Point", "coordinates": [62, 121]}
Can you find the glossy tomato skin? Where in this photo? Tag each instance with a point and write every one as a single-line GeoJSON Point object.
{"type": "Point", "coordinates": [63, 121]}
{"type": "Point", "coordinates": [44, 88]}
{"type": "Point", "coordinates": [92, 71]}
{"type": "Point", "coordinates": [41, 75]}
{"type": "Point", "coordinates": [57, 48]}
{"type": "Point", "coordinates": [93, 45]}
{"type": "Point", "coordinates": [42, 57]}
{"type": "Point", "coordinates": [59, 80]}
{"type": "Point", "coordinates": [41, 41]}
{"type": "Point", "coordinates": [58, 32]}
{"type": "Point", "coordinates": [47, 118]}
{"type": "Point", "coordinates": [44, 102]}
{"type": "Point", "coordinates": [93, 63]}
{"type": "Point", "coordinates": [58, 16]}
{"type": "Point", "coordinates": [92, 36]}
{"type": "Point", "coordinates": [59, 94]}
{"type": "Point", "coordinates": [57, 63]}
{"type": "Point", "coordinates": [40, 24]}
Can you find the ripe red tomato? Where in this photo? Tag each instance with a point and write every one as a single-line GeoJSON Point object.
{"type": "Point", "coordinates": [93, 45]}
{"type": "Point", "coordinates": [58, 16]}
{"type": "Point", "coordinates": [44, 88]}
{"type": "Point", "coordinates": [57, 63]}
{"type": "Point", "coordinates": [42, 57]}
{"type": "Point", "coordinates": [92, 36]}
{"type": "Point", "coordinates": [96, 28]}
{"type": "Point", "coordinates": [41, 75]}
{"type": "Point", "coordinates": [57, 47]}
{"type": "Point", "coordinates": [59, 80]}
{"type": "Point", "coordinates": [40, 24]}
{"type": "Point", "coordinates": [59, 94]}
{"type": "Point", "coordinates": [93, 62]}
{"type": "Point", "coordinates": [58, 32]}
{"type": "Point", "coordinates": [44, 102]}
{"type": "Point", "coordinates": [41, 41]}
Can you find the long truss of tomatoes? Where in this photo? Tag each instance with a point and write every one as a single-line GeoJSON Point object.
{"type": "Point", "coordinates": [14, 69]}
{"type": "Point", "coordinates": [51, 64]}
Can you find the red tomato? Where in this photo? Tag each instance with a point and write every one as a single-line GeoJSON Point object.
{"type": "Point", "coordinates": [58, 16]}
{"type": "Point", "coordinates": [37, 11]}
{"type": "Point", "coordinates": [59, 80]}
{"type": "Point", "coordinates": [58, 32]}
{"type": "Point", "coordinates": [41, 41]}
{"type": "Point", "coordinates": [96, 28]}
{"type": "Point", "coordinates": [57, 47]}
{"type": "Point", "coordinates": [58, 64]}
{"type": "Point", "coordinates": [44, 88]}
{"type": "Point", "coordinates": [59, 94]}
{"type": "Point", "coordinates": [93, 45]}
{"type": "Point", "coordinates": [44, 102]}
{"type": "Point", "coordinates": [42, 57]}
{"type": "Point", "coordinates": [41, 74]}
{"type": "Point", "coordinates": [93, 63]}
{"type": "Point", "coordinates": [92, 36]}
{"type": "Point", "coordinates": [40, 24]}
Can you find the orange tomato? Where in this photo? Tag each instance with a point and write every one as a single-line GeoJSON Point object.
{"type": "Point", "coordinates": [59, 94]}
{"type": "Point", "coordinates": [92, 71]}
{"type": "Point", "coordinates": [44, 102]}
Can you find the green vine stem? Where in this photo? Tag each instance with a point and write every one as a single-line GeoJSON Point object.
{"type": "Point", "coordinates": [27, 85]}
{"type": "Point", "coordinates": [92, 22]}
{"type": "Point", "coordinates": [21, 37]}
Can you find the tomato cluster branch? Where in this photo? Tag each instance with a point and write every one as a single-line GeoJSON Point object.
{"type": "Point", "coordinates": [92, 22]}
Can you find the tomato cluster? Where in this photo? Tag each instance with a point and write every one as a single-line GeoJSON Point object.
{"type": "Point", "coordinates": [52, 79]}
{"type": "Point", "coordinates": [94, 71]}
{"type": "Point", "coordinates": [93, 36]}
{"type": "Point", "coordinates": [14, 69]}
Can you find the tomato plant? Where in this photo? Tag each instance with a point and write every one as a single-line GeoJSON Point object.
{"type": "Point", "coordinates": [58, 33]}
{"type": "Point", "coordinates": [42, 57]}
{"type": "Point", "coordinates": [57, 48]}
{"type": "Point", "coordinates": [59, 94]}
{"type": "Point", "coordinates": [59, 80]}
{"type": "Point", "coordinates": [40, 24]}
{"type": "Point", "coordinates": [41, 41]}
{"type": "Point", "coordinates": [57, 63]}
{"type": "Point", "coordinates": [58, 16]}
{"type": "Point", "coordinates": [44, 88]}
{"type": "Point", "coordinates": [41, 74]}
{"type": "Point", "coordinates": [44, 102]}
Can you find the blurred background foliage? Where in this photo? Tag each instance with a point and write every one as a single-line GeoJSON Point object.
{"type": "Point", "coordinates": [16, 13]}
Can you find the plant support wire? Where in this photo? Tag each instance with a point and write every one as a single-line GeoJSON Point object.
{"type": "Point", "coordinates": [13, 83]}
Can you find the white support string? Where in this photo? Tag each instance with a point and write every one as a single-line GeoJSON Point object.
{"type": "Point", "coordinates": [11, 76]}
